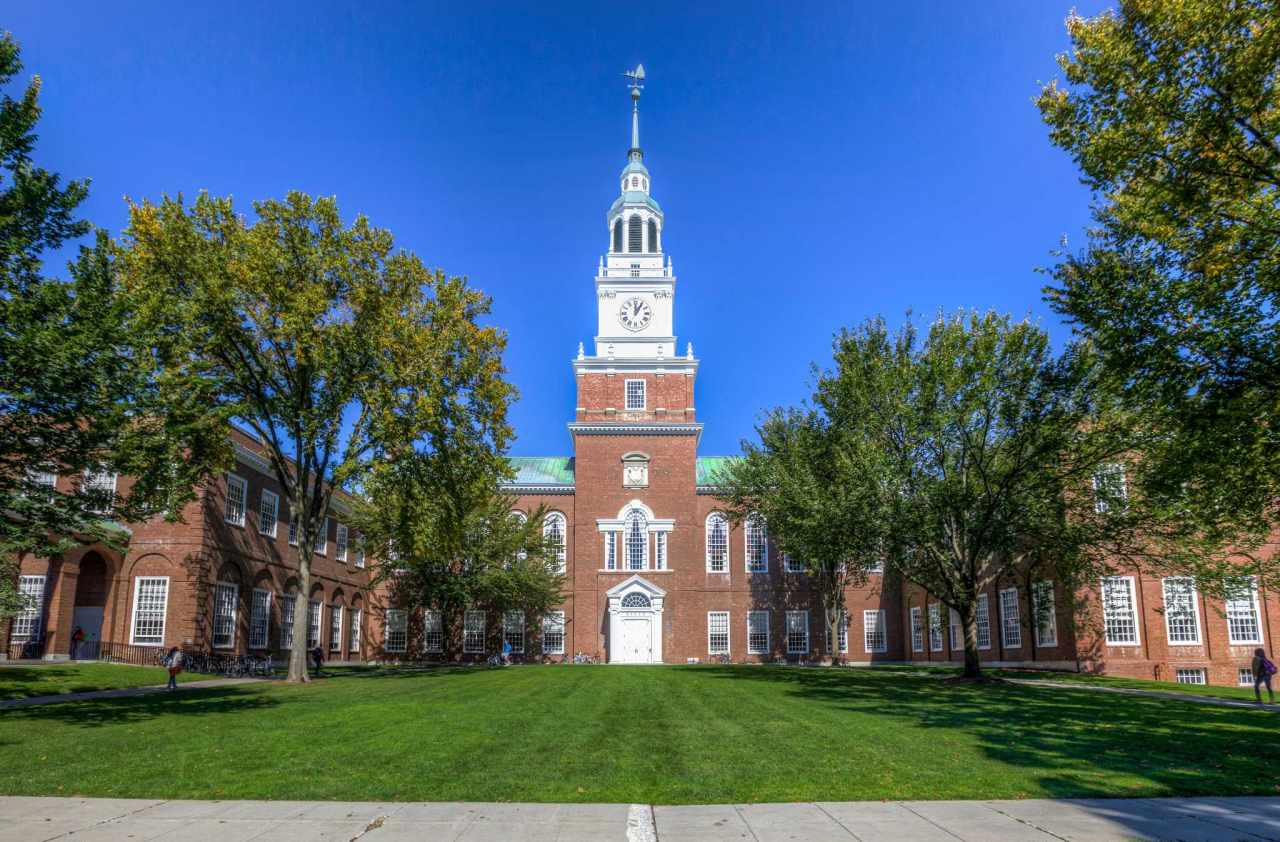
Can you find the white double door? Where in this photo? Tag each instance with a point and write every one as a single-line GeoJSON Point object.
{"type": "Point", "coordinates": [635, 644]}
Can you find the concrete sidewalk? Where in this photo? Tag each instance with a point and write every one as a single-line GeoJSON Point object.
{"type": "Point", "coordinates": [122, 693]}
{"type": "Point", "coordinates": [1102, 820]}
{"type": "Point", "coordinates": [1150, 694]}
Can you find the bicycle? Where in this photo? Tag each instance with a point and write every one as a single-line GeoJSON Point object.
{"type": "Point", "coordinates": [583, 658]}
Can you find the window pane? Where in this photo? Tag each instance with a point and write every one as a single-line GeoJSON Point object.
{"type": "Point", "coordinates": [353, 631]}
{"type": "Point", "coordinates": [635, 394]}
{"type": "Point", "coordinates": [797, 632]}
{"type": "Point", "coordinates": [27, 623]}
{"type": "Point", "coordinates": [1010, 621]}
{"type": "Point", "coordinates": [433, 632]}
{"type": "Point", "coordinates": [758, 632]}
{"type": "Point", "coordinates": [397, 635]}
{"type": "Point", "coordinates": [287, 609]}
{"type": "Point", "coordinates": [268, 512]}
{"type": "Point", "coordinates": [717, 544]}
{"type": "Point", "coordinates": [335, 628]}
{"type": "Point", "coordinates": [756, 545]}
{"type": "Point", "coordinates": [150, 601]}
{"type": "Point", "coordinates": [875, 638]}
{"type": "Point", "coordinates": [553, 633]}
{"type": "Point", "coordinates": [1242, 611]}
{"type": "Point", "coordinates": [259, 619]}
{"type": "Point", "coordinates": [224, 615]}
{"type": "Point", "coordinates": [473, 632]}
{"type": "Point", "coordinates": [718, 633]}
{"type": "Point", "coordinates": [237, 492]}
{"type": "Point", "coordinates": [1118, 609]}
{"type": "Point", "coordinates": [935, 627]}
{"type": "Point", "coordinates": [1181, 622]}
{"type": "Point", "coordinates": [917, 629]}
{"type": "Point", "coordinates": [553, 528]}
{"type": "Point", "coordinates": [513, 631]}
{"type": "Point", "coordinates": [984, 623]}
{"type": "Point", "coordinates": [1046, 615]}
{"type": "Point", "coordinates": [636, 541]}
{"type": "Point", "coordinates": [313, 624]}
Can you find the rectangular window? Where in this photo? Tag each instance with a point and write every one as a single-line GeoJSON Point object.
{"type": "Point", "coordinates": [340, 543]}
{"type": "Point", "coordinates": [359, 552]}
{"type": "Point", "coordinates": [225, 596]}
{"type": "Point", "coordinates": [984, 623]}
{"type": "Point", "coordinates": [43, 478]}
{"type": "Point", "coordinates": [1010, 620]}
{"type": "Point", "coordinates": [288, 607]}
{"type": "Point", "coordinates": [293, 530]}
{"type": "Point", "coordinates": [268, 512]}
{"type": "Point", "coordinates": [1244, 676]}
{"type": "Point", "coordinates": [876, 567]}
{"type": "Point", "coordinates": [610, 551]}
{"type": "Point", "coordinates": [150, 603]}
{"type": "Point", "coordinates": [553, 633]}
{"type": "Point", "coordinates": [842, 630]}
{"type": "Point", "coordinates": [1119, 611]}
{"type": "Point", "coordinates": [1109, 488]}
{"type": "Point", "coordinates": [1190, 676]}
{"type": "Point", "coordinates": [513, 631]}
{"type": "Point", "coordinates": [321, 545]}
{"type": "Point", "coordinates": [260, 619]}
{"type": "Point", "coordinates": [635, 394]}
{"type": "Point", "coordinates": [935, 627]}
{"type": "Point", "coordinates": [237, 495]}
{"type": "Point", "coordinates": [1243, 624]}
{"type": "Point", "coordinates": [790, 565]}
{"type": "Point", "coordinates": [335, 628]}
{"type": "Point", "coordinates": [433, 632]}
{"type": "Point", "coordinates": [397, 636]}
{"type": "Point", "coordinates": [313, 624]}
{"type": "Point", "coordinates": [353, 633]}
{"type": "Point", "coordinates": [1046, 614]}
{"type": "Point", "coordinates": [797, 632]}
{"type": "Point", "coordinates": [757, 632]}
{"type": "Point", "coordinates": [874, 636]}
{"type": "Point", "coordinates": [102, 486]}
{"type": "Point", "coordinates": [917, 629]}
{"type": "Point", "coordinates": [757, 545]}
{"type": "Point", "coordinates": [957, 633]}
{"type": "Point", "coordinates": [659, 551]}
{"type": "Point", "coordinates": [473, 632]}
{"type": "Point", "coordinates": [1181, 615]}
{"type": "Point", "coordinates": [717, 632]}
{"type": "Point", "coordinates": [28, 623]}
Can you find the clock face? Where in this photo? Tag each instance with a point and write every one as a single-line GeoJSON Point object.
{"type": "Point", "coordinates": [635, 314]}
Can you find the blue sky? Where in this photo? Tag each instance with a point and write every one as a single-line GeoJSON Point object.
{"type": "Point", "coordinates": [818, 163]}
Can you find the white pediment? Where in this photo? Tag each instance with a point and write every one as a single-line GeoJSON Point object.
{"type": "Point", "coordinates": [636, 582]}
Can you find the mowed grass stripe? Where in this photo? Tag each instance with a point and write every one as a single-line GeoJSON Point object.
{"type": "Point", "coordinates": [666, 735]}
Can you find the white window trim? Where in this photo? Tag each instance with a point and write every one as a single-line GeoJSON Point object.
{"type": "Point", "coordinates": [767, 641]}
{"type": "Point", "coordinates": [432, 627]}
{"type": "Point", "coordinates": [1193, 673]}
{"type": "Point", "coordinates": [1257, 615]}
{"type": "Point", "coordinates": [1133, 612]}
{"type": "Point", "coordinates": [728, 633]}
{"type": "Point", "coordinates": [235, 605]}
{"type": "Point", "coordinates": [880, 625]}
{"type": "Point", "coordinates": [354, 632]}
{"type": "Point", "coordinates": [1244, 676]}
{"type": "Point", "coordinates": [467, 647]}
{"type": "Point", "coordinates": [340, 540]}
{"type": "Point", "coordinates": [507, 628]}
{"type": "Point", "coordinates": [807, 642]}
{"type": "Point", "coordinates": [1195, 611]}
{"type": "Point", "coordinates": [790, 565]}
{"type": "Point", "coordinates": [289, 606]}
{"type": "Point", "coordinates": [718, 517]}
{"type": "Point", "coordinates": [34, 614]}
{"type": "Point", "coordinates": [917, 629]}
{"type": "Point", "coordinates": [275, 516]}
{"type": "Point", "coordinates": [556, 617]}
{"type": "Point", "coordinates": [266, 626]}
{"type": "Point", "coordinates": [1037, 592]}
{"type": "Point", "coordinates": [402, 618]}
{"type": "Point", "coordinates": [133, 614]}
{"type": "Point", "coordinates": [562, 554]}
{"type": "Point", "coordinates": [755, 522]}
{"type": "Point", "coordinates": [318, 625]}
{"type": "Point", "coordinates": [323, 548]}
{"type": "Point", "coordinates": [935, 622]}
{"type": "Point", "coordinates": [335, 640]}
{"type": "Point", "coordinates": [954, 625]}
{"type": "Point", "coordinates": [626, 396]}
{"type": "Point", "coordinates": [1004, 619]}
{"type": "Point", "coordinates": [981, 609]}
{"type": "Point", "coordinates": [660, 551]}
{"type": "Point", "coordinates": [236, 479]}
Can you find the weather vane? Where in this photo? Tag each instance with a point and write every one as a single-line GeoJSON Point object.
{"type": "Point", "coordinates": [637, 80]}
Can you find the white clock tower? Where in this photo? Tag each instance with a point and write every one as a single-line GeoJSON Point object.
{"type": "Point", "coordinates": [635, 286]}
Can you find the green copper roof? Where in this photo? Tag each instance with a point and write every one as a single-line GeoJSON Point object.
{"type": "Point", "coordinates": [710, 466]}
{"type": "Point", "coordinates": [542, 470]}
{"type": "Point", "coordinates": [634, 197]}
{"type": "Point", "coordinates": [634, 166]}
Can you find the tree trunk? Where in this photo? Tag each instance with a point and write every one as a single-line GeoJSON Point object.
{"type": "Point", "coordinates": [299, 654]}
{"type": "Point", "coordinates": [972, 664]}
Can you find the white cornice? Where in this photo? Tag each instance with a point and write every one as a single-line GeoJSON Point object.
{"type": "Point", "coordinates": [638, 365]}
{"type": "Point", "coordinates": [254, 460]}
{"type": "Point", "coordinates": [586, 428]}
{"type": "Point", "coordinates": [516, 488]}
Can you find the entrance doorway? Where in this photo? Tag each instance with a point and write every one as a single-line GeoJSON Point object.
{"type": "Point", "coordinates": [635, 622]}
{"type": "Point", "coordinates": [91, 603]}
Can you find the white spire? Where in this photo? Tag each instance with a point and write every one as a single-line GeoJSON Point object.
{"type": "Point", "coordinates": [636, 85]}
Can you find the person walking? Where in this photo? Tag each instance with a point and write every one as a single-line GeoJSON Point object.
{"type": "Point", "coordinates": [173, 661]}
{"type": "Point", "coordinates": [1263, 669]}
{"type": "Point", "coordinates": [317, 659]}
{"type": "Point", "coordinates": [76, 637]}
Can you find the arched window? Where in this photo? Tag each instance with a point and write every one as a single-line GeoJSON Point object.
{"type": "Point", "coordinates": [635, 233]}
{"type": "Point", "coordinates": [653, 235]}
{"type": "Point", "coordinates": [717, 543]}
{"type": "Point", "coordinates": [617, 235]}
{"type": "Point", "coordinates": [757, 544]}
{"type": "Point", "coordinates": [636, 600]}
{"type": "Point", "coordinates": [554, 531]}
{"type": "Point", "coordinates": [520, 518]}
{"type": "Point", "coordinates": [636, 540]}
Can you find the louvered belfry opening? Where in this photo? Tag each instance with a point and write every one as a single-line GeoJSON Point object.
{"type": "Point", "coordinates": [617, 235]}
{"type": "Point", "coordinates": [635, 234]}
{"type": "Point", "coordinates": [653, 235]}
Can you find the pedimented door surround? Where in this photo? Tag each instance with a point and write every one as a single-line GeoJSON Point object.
{"type": "Point", "coordinates": [635, 622]}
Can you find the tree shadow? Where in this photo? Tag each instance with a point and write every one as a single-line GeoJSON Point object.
{"type": "Point", "coordinates": [1067, 743]}
{"type": "Point", "coordinates": [126, 710]}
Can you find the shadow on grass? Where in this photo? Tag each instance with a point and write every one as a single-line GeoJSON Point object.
{"type": "Point", "coordinates": [126, 710]}
{"type": "Point", "coordinates": [1070, 743]}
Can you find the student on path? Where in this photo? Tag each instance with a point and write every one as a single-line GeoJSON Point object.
{"type": "Point", "coordinates": [1263, 669]}
{"type": "Point", "coordinates": [173, 661]}
{"type": "Point", "coordinates": [317, 659]}
{"type": "Point", "coordinates": [76, 637]}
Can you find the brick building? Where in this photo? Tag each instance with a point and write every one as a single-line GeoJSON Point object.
{"type": "Point", "coordinates": [213, 581]}
{"type": "Point", "coordinates": [655, 572]}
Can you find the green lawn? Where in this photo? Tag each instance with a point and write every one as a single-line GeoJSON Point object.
{"type": "Point", "coordinates": [1215, 690]}
{"type": "Point", "coordinates": [47, 680]}
{"type": "Point", "coordinates": [665, 735]}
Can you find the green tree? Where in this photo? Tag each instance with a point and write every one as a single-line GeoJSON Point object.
{"type": "Point", "coordinates": [450, 541]}
{"type": "Point", "coordinates": [1172, 113]}
{"type": "Point", "coordinates": [78, 391]}
{"type": "Point", "coordinates": [337, 351]}
{"type": "Point", "coordinates": [820, 493]}
{"type": "Point", "coordinates": [980, 450]}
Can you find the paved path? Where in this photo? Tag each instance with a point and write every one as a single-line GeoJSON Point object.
{"type": "Point", "coordinates": [122, 693]}
{"type": "Point", "coordinates": [1153, 694]}
{"type": "Point", "coordinates": [1102, 820]}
